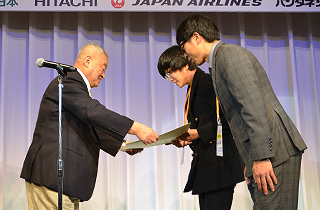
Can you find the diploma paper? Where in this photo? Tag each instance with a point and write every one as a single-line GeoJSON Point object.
{"type": "Point", "coordinates": [163, 139]}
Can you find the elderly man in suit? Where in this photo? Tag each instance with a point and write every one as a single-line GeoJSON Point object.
{"type": "Point", "coordinates": [87, 127]}
{"type": "Point", "coordinates": [268, 141]}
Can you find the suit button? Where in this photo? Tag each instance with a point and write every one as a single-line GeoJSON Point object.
{"type": "Point", "coordinates": [196, 119]}
{"type": "Point", "coordinates": [210, 142]}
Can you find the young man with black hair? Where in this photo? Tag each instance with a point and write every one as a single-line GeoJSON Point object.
{"type": "Point", "coordinates": [216, 166]}
{"type": "Point", "coordinates": [268, 141]}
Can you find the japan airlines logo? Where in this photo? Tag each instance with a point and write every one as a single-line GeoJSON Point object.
{"type": "Point", "coordinates": [117, 3]}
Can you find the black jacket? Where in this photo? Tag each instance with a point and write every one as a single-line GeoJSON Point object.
{"type": "Point", "coordinates": [87, 127]}
{"type": "Point", "coordinates": [209, 172]}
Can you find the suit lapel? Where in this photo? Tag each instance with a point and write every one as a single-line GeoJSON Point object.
{"type": "Point", "coordinates": [213, 70]}
{"type": "Point", "coordinates": [195, 83]}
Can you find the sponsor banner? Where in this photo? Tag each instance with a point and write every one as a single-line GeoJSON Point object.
{"type": "Point", "coordinates": [162, 5]}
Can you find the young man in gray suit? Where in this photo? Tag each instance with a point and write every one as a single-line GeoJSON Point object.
{"type": "Point", "coordinates": [268, 141]}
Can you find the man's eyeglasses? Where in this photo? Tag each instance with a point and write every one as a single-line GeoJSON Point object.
{"type": "Point", "coordinates": [181, 45]}
{"type": "Point", "coordinates": [168, 74]}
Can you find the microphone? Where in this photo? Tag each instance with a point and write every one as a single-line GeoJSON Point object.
{"type": "Point", "coordinates": [49, 64]}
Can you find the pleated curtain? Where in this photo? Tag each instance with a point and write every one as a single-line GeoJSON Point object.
{"type": "Point", "coordinates": [286, 44]}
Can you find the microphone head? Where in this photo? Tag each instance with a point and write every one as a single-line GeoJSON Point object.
{"type": "Point", "coordinates": [39, 62]}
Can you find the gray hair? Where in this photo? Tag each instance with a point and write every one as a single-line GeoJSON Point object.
{"type": "Point", "coordinates": [91, 46]}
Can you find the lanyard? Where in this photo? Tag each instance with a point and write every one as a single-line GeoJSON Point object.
{"type": "Point", "coordinates": [219, 144]}
{"type": "Point", "coordinates": [186, 103]}
{"type": "Point", "coordinates": [186, 110]}
{"type": "Point", "coordinates": [217, 107]}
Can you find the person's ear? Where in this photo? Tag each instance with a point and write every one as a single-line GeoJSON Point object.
{"type": "Point", "coordinates": [87, 61]}
{"type": "Point", "coordinates": [197, 37]}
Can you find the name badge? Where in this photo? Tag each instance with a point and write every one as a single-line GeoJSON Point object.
{"type": "Point", "coordinates": [219, 139]}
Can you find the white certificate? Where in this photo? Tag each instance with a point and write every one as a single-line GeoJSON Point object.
{"type": "Point", "coordinates": [165, 138]}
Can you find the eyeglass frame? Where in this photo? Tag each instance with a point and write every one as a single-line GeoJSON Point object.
{"type": "Point", "coordinates": [168, 74]}
{"type": "Point", "coordinates": [181, 45]}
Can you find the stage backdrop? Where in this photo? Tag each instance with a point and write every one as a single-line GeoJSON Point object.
{"type": "Point", "coordinates": [287, 45]}
{"type": "Point", "coordinates": [161, 5]}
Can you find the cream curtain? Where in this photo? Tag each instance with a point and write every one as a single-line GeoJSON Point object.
{"type": "Point", "coordinates": [287, 45]}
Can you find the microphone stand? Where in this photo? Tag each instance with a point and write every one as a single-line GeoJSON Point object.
{"type": "Point", "coordinates": [62, 74]}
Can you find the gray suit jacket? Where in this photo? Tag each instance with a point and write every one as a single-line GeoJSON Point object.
{"type": "Point", "coordinates": [259, 124]}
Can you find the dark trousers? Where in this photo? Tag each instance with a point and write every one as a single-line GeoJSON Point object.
{"type": "Point", "coordinates": [285, 196]}
{"type": "Point", "coordinates": [217, 199]}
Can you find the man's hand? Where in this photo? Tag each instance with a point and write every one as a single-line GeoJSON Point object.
{"type": "Point", "coordinates": [263, 175]}
{"type": "Point", "coordinates": [191, 135]}
{"type": "Point", "coordinates": [178, 143]}
{"type": "Point", "coordinates": [130, 151]}
{"type": "Point", "coordinates": [143, 133]}
{"type": "Point", "coordinates": [186, 138]}
{"type": "Point", "coordinates": [133, 151]}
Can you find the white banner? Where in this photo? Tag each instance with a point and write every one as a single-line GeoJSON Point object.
{"type": "Point", "coordinates": [162, 5]}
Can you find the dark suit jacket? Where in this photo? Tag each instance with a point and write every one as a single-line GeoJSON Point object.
{"type": "Point", "coordinates": [87, 127]}
{"type": "Point", "coordinates": [259, 124]}
{"type": "Point", "coordinates": [209, 172]}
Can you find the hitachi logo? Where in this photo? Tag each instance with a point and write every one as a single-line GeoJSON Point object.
{"type": "Point", "coordinates": [69, 3]}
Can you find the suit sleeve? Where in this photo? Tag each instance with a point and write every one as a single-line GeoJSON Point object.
{"type": "Point", "coordinates": [107, 143]}
{"type": "Point", "coordinates": [238, 68]}
{"type": "Point", "coordinates": [77, 101]}
{"type": "Point", "coordinates": [207, 131]}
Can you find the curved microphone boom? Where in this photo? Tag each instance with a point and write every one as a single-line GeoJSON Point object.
{"type": "Point", "coordinates": [49, 64]}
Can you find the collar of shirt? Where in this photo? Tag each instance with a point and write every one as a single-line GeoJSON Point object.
{"type": "Point", "coordinates": [85, 79]}
{"type": "Point", "coordinates": [211, 53]}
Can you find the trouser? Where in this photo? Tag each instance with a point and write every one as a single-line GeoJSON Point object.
{"type": "Point", "coordinates": [42, 198]}
{"type": "Point", "coordinates": [217, 199]}
{"type": "Point", "coordinates": [285, 196]}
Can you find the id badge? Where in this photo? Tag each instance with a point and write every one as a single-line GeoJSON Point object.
{"type": "Point", "coordinates": [219, 140]}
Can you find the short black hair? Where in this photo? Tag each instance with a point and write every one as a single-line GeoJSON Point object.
{"type": "Point", "coordinates": [197, 23]}
{"type": "Point", "coordinates": [174, 58]}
